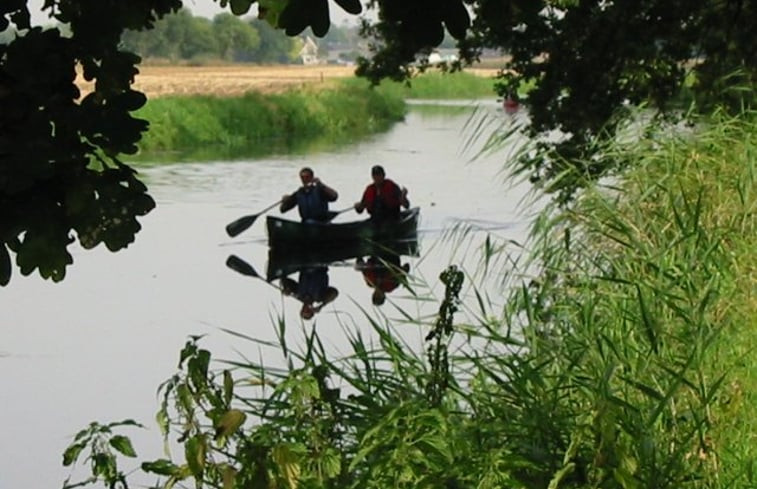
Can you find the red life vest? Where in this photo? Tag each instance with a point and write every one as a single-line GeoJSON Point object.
{"type": "Point", "coordinates": [384, 200]}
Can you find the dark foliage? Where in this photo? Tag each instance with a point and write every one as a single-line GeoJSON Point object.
{"type": "Point", "coordinates": [586, 60]}
{"type": "Point", "coordinates": [59, 167]}
{"type": "Point", "coordinates": [60, 175]}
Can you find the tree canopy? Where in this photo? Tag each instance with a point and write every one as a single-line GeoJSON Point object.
{"type": "Point", "coordinates": [61, 178]}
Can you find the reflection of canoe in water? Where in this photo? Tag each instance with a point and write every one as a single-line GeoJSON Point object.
{"type": "Point", "coordinates": [285, 233]}
{"type": "Point", "coordinates": [283, 261]}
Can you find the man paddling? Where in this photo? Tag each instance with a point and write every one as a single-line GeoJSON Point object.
{"type": "Point", "coordinates": [383, 198]}
{"type": "Point", "coordinates": [312, 199]}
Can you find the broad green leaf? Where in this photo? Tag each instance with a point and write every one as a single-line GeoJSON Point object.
{"type": "Point", "coordinates": [194, 451]}
{"type": "Point", "coordinates": [350, 6]}
{"type": "Point", "coordinates": [160, 467]}
{"type": "Point", "coordinates": [197, 368]}
{"type": "Point", "coordinates": [161, 417]}
{"type": "Point", "coordinates": [123, 445]}
{"type": "Point", "coordinates": [72, 453]}
{"type": "Point", "coordinates": [104, 465]}
{"type": "Point", "coordinates": [125, 422]}
{"type": "Point", "coordinates": [229, 423]}
{"type": "Point", "coordinates": [185, 398]}
{"type": "Point", "coordinates": [240, 7]}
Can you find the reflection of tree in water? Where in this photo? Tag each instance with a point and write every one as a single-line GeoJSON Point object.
{"type": "Point", "coordinates": [383, 274]}
{"type": "Point", "coordinates": [312, 289]}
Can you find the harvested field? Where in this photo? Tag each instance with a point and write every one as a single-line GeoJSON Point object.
{"type": "Point", "coordinates": [231, 80]}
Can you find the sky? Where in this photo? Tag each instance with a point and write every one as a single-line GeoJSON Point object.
{"type": "Point", "coordinates": [205, 8]}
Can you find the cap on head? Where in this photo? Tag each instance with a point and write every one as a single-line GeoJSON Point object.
{"type": "Point", "coordinates": [377, 170]}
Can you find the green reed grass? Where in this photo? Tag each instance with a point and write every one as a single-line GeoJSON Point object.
{"type": "Point", "coordinates": [642, 321]}
{"type": "Point", "coordinates": [626, 361]}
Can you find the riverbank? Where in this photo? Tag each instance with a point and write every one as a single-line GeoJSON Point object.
{"type": "Point", "coordinates": [323, 113]}
{"type": "Point", "coordinates": [642, 325]}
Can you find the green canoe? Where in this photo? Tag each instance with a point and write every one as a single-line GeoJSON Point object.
{"type": "Point", "coordinates": [283, 233]}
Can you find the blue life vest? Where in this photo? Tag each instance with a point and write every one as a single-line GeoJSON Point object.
{"type": "Point", "coordinates": [313, 284]}
{"type": "Point", "coordinates": [312, 203]}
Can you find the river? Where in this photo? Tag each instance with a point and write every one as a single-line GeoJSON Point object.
{"type": "Point", "coordinates": [96, 346]}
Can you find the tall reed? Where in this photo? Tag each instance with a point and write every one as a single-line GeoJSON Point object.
{"type": "Point", "coordinates": [640, 326]}
{"type": "Point", "coordinates": [627, 361]}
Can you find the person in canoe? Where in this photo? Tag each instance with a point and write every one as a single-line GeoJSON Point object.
{"type": "Point", "coordinates": [312, 289]}
{"type": "Point", "coordinates": [312, 199]}
{"type": "Point", "coordinates": [383, 274]}
{"type": "Point", "coordinates": [383, 198]}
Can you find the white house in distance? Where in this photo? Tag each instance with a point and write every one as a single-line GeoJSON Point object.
{"type": "Point", "coordinates": [439, 56]}
{"type": "Point", "coordinates": [309, 52]}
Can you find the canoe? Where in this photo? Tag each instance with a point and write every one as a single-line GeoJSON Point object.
{"type": "Point", "coordinates": [284, 233]}
{"type": "Point", "coordinates": [283, 261]}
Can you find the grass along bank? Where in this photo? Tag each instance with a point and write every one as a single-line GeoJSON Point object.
{"type": "Point", "coordinates": [200, 127]}
{"type": "Point", "coordinates": [626, 362]}
{"type": "Point", "coordinates": [203, 127]}
{"type": "Point", "coordinates": [642, 327]}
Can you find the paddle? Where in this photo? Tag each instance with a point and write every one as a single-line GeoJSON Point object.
{"type": "Point", "coordinates": [244, 222]}
{"type": "Point", "coordinates": [241, 266]}
{"type": "Point", "coordinates": [333, 214]}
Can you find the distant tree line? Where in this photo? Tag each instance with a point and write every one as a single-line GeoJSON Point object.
{"type": "Point", "coordinates": [185, 37]}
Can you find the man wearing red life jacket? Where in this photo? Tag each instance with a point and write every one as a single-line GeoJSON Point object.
{"type": "Point", "coordinates": [382, 198]}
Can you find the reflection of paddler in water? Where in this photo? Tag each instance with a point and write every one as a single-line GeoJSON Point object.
{"type": "Point", "coordinates": [511, 103]}
{"type": "Point", "coordinates": [312, 289]}
{"type": "Point", "coordinates": [383, 274]}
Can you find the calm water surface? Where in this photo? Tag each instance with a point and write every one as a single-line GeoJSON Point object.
{"type": "Point", "coordinates": [97, 345]}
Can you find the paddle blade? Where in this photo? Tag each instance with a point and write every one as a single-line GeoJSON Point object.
{"type": "Point", "coordinates": [236, 227]}
{"type": "Point", "coordinates": [241, 266]}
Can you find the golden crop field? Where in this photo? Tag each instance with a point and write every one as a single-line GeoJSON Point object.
{"type": "Point", "coordinates": [230, 80]}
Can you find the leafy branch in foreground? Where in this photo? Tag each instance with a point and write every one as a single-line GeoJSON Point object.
{"type": "Point", "coordinates": [103, 446]}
